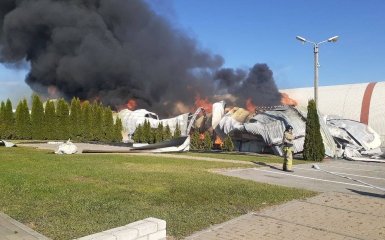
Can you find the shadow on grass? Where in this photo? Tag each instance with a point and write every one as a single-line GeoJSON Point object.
{"type": "Point", "coordinates": [369, 194]}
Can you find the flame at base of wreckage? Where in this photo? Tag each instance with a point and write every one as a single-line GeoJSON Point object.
{"type": "Point", "coordinates": [261, 131]}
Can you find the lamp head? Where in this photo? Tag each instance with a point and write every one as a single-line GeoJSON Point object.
{"type": "Point", "coordinates": [300, 39]}
{"type": "Point", "coordinates": [333, 39]}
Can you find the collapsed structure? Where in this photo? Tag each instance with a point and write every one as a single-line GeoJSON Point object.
{"type": "Point", "coordinates": [261, 131]}
{"type": "Point", "coordinates": [362, 102]}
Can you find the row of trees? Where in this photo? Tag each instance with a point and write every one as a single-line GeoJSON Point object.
{"type": "Point", "coordinates": [206, 143]}
{"type": "Point", "coordinates": [145, 134]}
{"type": "Point", "coordinates": [58, 120]}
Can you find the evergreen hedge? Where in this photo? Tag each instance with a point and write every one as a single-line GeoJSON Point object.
{"type": "Point", "coordinates": [82, 122]}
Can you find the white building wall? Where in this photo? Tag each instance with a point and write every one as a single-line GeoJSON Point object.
{"type": "Point", "coordinates": [377, 109]}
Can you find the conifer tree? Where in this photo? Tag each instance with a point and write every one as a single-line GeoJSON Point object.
{"type": "Point", "coordinates": [75, 119]}
{"type": "Point", "coordinates": [138, 134]}
{"type": "Point", "coordinates": [2, 125]}
{"type": "Point", "coordinates": [117, 129]}
{"type": "Point", "coordinates": [147, 133]}
{"type": "Point", "coordinates": [195, 142]}
{"type": "Point", "coordinates": [23, 121]}
{"type": "Point", "coordinates": [158, 133]}
{"type": "Point", "coordinates": [314, 149]}
{"type": "Point", "coordinates": [177, 132]}
{"type": "Point", "coordinates": [107, 125]}
{"type": "Point", "coordinates": [167, 135]}
{"type": "Point", "coordinates": [228, 144]}
{"type": "Point", "coordinates": [86, 121]}
{"type": "Point", "coordinates": [9, 121]}
{"type": "Point", "coordinates": [18, 120]}
{"type": "Point", "coordinates": [37, 118]}
{"type": "Point", "coordinates": [207, 142]}
{"type": "Point", "coordinates": [50, 121]}
{"type": "Point", "coordinates": [2, 110]}
{"type": "Point", "coordinates": [96, 122]}
{"type": "Point", "coordinates": [62, 115]}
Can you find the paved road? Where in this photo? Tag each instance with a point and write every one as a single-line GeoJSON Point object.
{"type": "Point", "coordinates": [346, 209]}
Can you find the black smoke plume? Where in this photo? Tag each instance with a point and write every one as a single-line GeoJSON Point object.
{"type": "Point", "coordinates": [258, 85]}
{"type": "Point", "coordinates": [116, 50]}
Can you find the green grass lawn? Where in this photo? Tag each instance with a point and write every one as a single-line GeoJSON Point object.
{"type": "Point", "coordinates": [69, 196]}
{"type": "Point", "coordinates": [243, 157]}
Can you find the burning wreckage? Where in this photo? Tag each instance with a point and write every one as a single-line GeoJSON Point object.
{"type": "Point", "coordinates": [261, 131]}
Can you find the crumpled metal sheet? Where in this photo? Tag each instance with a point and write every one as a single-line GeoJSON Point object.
{"type": "Point", "coordinates": [132, 119]}
{"type": "Point", "coordinates": [359, 133]}
{"type": "Point", "coordinates": [270, 125]}
{"type": "Point", "coordinates": [228, 124]}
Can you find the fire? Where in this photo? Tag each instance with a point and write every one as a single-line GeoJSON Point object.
{"type": "Point", "coordinates": [286, 100]}
{"type": "Point", "coordinates": [131, 104]}
{"type": "Point", "coordinates": [250, 105]}
{"type": "Point", "coordinates": [203, 103]}
{"type": "Point", "coordinates": [218, 141]}
{"type": "Point", "coordinates": [201, 136]}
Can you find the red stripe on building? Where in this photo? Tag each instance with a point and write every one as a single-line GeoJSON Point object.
{"type": "Point", "coordinates": [366, 103]}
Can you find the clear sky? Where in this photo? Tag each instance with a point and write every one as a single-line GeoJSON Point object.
{"type": "Point", "coordinates": [246, 32]}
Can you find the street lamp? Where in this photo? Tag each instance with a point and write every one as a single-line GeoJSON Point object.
{"type": "Point", "coordinates": [316, 63]}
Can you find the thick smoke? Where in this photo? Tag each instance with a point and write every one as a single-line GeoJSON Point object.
{"type": "Point", "coordinates": [258, 85]}
{"type": "Point", "coordinates": [116, 50]}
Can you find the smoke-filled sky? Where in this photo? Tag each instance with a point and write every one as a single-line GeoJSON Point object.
{"type": "Point", "coordinates": [115, 50]}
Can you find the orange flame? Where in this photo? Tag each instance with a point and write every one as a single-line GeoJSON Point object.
{"type": "Point", "coordinates": [286, 100]}
{"type": "Point", "coordinates": [218, 141]}
{"type": "Point", "coordinates": [131, 104]}
{"type": "Point", "coordinates": [203, 103]}
{"type": "Point", "coordinates": [250, 106]}
{"type": "Point", "coordinates": [201, 136]}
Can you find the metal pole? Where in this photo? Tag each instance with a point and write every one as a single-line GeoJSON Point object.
{"type": "Point", "coordinates": [316, 65]}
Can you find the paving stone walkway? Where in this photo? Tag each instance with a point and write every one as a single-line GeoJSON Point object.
{"type": "Point", "coordinates": [330, 215]}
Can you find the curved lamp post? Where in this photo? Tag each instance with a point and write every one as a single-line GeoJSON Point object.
{"type": "Point", "coordinates": [316, 63]}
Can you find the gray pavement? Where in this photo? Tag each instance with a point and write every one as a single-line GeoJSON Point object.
{"type": "Point", "coordinates": [306, 177]}
{"type": "Point", "coordinates": [345, 209]}
{"type": "Point", "coordinates": [10, 229]}
{"type": "Point", "coordinates": [330, 215]}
